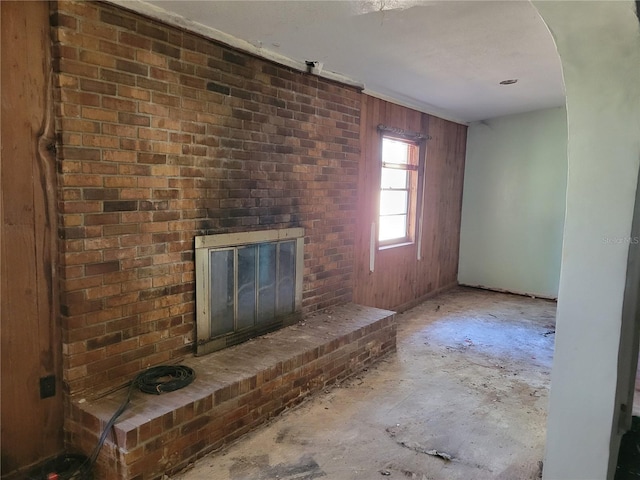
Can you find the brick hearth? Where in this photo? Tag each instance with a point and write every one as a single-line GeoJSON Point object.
{"type": "Point", "coordinates": [235, 390]}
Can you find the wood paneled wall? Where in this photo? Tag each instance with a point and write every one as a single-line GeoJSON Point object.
{"type": "Point", "coordinates": [399, 279]}
{"type": "Point", "coordinates": [31, 344]}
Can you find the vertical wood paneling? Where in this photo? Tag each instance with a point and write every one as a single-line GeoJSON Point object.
{"type": "Point", "coordinates": [400, 280]}
{"type": "Point", "coordinates": [30, 344]}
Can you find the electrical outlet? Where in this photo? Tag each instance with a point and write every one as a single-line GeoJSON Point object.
{"type": "Point", "coordinates": [48, 386]}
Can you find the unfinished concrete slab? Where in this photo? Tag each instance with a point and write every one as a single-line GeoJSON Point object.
{"type": "Point", "coordinates": [469, 381]}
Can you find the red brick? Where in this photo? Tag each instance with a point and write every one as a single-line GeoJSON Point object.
{"type": "Point", "coordinates": [96, 58]}
{"type": "Point", "coordinates": [100, 268]}
{"type": "Point", "coordinates": [133, 119]}
{"type": "Point", "coordinates": [96, 86]}
{"type": "Point", "coordinates": [119, 104]}
{"type": "Point", "coordinates": [190, 163]}
{"type": "Point", "coordinates": [75, 67]}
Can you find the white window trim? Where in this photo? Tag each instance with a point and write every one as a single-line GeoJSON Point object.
{"type": "Point", "coordinates": [418, 169]}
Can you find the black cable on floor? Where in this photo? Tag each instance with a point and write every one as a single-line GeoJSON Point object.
{"type": "Point", "coordinates": [155, 380]}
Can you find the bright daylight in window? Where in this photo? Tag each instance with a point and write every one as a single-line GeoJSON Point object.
{"type": "Point", "coordinates": [398, 192]}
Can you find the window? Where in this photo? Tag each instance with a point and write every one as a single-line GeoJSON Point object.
{"type": "Point", "coordinates": [246, 284]}
{"type": "Point", "coordinates": [398, 191]}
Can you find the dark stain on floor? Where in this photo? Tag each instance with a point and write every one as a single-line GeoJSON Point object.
{"type": "Point", "coordinates": [629, 456]}
{"type": "Point", "coordinates": [282, 434]}
{"type": "Point", "coordinates": [258, 468]}
{"type": "Point", "coordinates": [248, 467]}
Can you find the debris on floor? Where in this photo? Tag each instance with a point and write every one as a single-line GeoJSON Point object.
{"type": "Point", "coordinates": [413, 475]}
{"type": "Point", "coordinates": [439, 398]}
{"type": "Point", "coordinates": [435, 453]}
{"type": "Point", "coordinates": [416, 447]}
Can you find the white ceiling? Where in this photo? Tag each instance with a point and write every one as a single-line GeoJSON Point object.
{"type": "Point", "coordinates": [441, 57]}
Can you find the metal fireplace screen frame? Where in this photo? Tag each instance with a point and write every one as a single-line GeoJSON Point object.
{"type": "Point", "coordinates": [247, 284]}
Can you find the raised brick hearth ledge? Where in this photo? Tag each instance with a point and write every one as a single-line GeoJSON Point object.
{"type": "Point", "coordinates": [235, 390]}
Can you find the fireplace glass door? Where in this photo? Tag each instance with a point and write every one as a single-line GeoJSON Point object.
{"type": "Point", "coordinates": [250, 289]}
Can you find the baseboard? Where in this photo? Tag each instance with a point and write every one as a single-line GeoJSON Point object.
{"type": "Point", "coordinates": [512, 292]}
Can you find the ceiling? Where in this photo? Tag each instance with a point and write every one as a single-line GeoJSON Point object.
{"type": "Point", "coordinates": [441, 57]}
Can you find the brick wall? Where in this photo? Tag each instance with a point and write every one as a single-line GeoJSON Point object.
{"type": "Point", "coordinates": [164, 135]}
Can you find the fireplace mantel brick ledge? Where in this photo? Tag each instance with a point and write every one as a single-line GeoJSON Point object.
{"type": "Point", "coordinates": [235, 390]}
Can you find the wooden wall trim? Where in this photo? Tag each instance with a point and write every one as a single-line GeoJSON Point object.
{"type": "Point", "coordinates": [31, 341]}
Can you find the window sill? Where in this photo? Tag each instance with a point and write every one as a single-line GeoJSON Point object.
{"type": "Point", "coordinates": [395, 245]}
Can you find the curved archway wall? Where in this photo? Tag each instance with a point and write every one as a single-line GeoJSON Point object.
{"type": "Point", "coordinates": [599, 46]}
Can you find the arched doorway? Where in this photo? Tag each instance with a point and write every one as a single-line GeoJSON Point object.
{"type": "Point", "coordinates": [599, 45]}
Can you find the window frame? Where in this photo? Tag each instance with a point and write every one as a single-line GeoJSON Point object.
{"type": "Point", "coordinates": [415, 170]}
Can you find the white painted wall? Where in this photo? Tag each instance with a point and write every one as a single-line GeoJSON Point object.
{"type": "Point", "coordinates": [513, 204]}
{"type": "Point", "coordinates": [599, 45]}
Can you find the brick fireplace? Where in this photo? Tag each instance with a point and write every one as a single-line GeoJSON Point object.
{"type": "Point", "coordinates": [164, 136]}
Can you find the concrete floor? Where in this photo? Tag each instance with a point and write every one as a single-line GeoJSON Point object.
{"type": "Point", "coordinates": [470, 381]}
